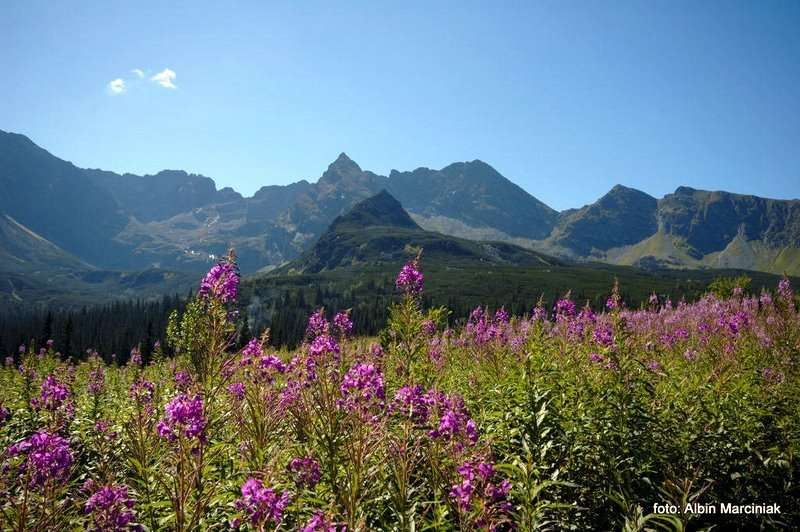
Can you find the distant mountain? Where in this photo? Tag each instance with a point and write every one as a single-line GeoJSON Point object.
{"type": "Point", "coordinates": [173, 220]}
{"type": "Point", "coordinates": [57, 200]}
{"type": "Point", "coordinates": [24, 251]}
{"type": "Point", "coordinates": [689, 228]}
{"type": "Point", "coordinates": [473, 194]}
{"type": "Point", "coordinates": [342, 185]}
{"type": "Point", "coordinates": [35, 273]}
{"type": "Point", "coordinates": [160, 196]}
{"type": "Point", "coordinates": [622, 217]}
{"type": "Point", "coordinates": [377, 231]}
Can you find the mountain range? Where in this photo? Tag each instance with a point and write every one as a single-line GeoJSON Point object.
{"type": "Point", "coordinates": [378, 231]}
{"type": "Point", "coordinates": [54, 215]}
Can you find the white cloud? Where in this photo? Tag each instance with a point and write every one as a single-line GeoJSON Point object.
{"type": "Point", "coordinates": [117, 86]}
{"type": "Point", "coordinates": [164, 78]}
{"type": "Point", "coordinates": [139, 72]}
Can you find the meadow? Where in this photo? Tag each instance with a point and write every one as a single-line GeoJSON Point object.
{"type": "Point", "coordinates": [561, 419]}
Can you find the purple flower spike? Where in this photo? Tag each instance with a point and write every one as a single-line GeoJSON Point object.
{"type": "Point", "coordinates": [343, 324]}
{"type": "Point", "coordinates": [410, 280]}
{"type": "Point", "coordinates": [183, 415]}
{"type": "Point", "coordinates": [110, 508]}
{"type": "Point", "coordinates": [48, 457]}
{"type": "Point", "coordinates": [261, 504]}
{"type": "Point", "coordinates": [221, 282]}
{"type": "Point", "coordinates": [305, 470]}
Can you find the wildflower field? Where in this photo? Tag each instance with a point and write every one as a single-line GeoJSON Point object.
{"type": "Point", "coordinates": [561, 419]}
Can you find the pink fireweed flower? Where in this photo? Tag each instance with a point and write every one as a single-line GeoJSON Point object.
{"type": "Point", "coordinates": [305, 470]}
{"type": "Point", "coordinates": [103, 428]}
{"type": "Point", "coordinates": [5, 413]}
{"type": "Point", "coordinates": [603, 335]}
{"type": "Point", "coordinates": [261, 367]}
{"type": "Point", "coordinates": [454, 424]}
{"type": "Point", "coordinates": [47, 458]}
{"type": "Point", "coordinates": [614, 301]}
{"type": "Point", "coordinates": [268, 366]}
{"type": "Point", "coordinates": [324, 345]}
{"type": "Point", "coordinates": [564, 308]}
{"type": "Point", "coordinates": [320, 522]}
{"type": "Point", "coordinates": [738, 321]}
{"type": "Point", "coordinates": [690, 355]}
{"type": "Point", "coordinates": [343, 324]}
{"type": "Point", "coordinates": [221, 282]}
{"type": "Point", "coordinates": [290, 393]}
{"type": "Point", "coordinates": [517, 343]}
{"type": "Point", "coordinates": [410, 279]}
{"type": "Point", "coordinates": [479, 481]}
{"type": "Point", "coordinates": [477, 329]}
{"type": "Point", "coordinates": [653, 365]}
{"type": "Point", "coordinates": [765, 299]}
{"type": "Point", "coordinates": [597, 358]}
{"type": "Point", "coordinates": [136, 357]}
{"type": "Point", "coordinates": [772, 376]}
{"type": "Point", "coordinates": [97, 381]}
{"type": "Point", "coordinates": [411, 402]}
{"type": "Point", "coordinates": [375, 352]}
{"type": "Point", "coordinates": [477, 315]}
{"type": "Point", "coordinates": [110, 508]}
{"type": "Point", "coordinates": [183, 415]}
{"type": "Point", "coordinates": [785, 289]}
{"type": "Point", "coordinates": [260, 504]}
{"type": "Point", "coordinates": [53, 395]}
{"type": "Point", "coordinates": [183, 381]}
{"type": "Point", "coordinates": [251, 351]}
{"type": "Point", "coordinates": [362, 390]}
{"type": "Point", "coordinates": [317, 325]}
{"type": "Point", "coordinates": [538, 313]}
{"type": "Point", "coordinates": [587, 315]}
{"type": "Point", "coordinates": [236, 390]}
{"type": "Point", "coordinates": [143, 392]}
{"type": "Point", "coordinates": [428, 328]}
{"type": "Point", "coordinates": [435, 352]}
{"type": "Point", "coordinates": [501, 315]}
{"type": "Point", "coordinates": [462, 493]}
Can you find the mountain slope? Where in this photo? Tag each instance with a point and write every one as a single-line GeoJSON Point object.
{"type": "Point", "coordinates": [24, 251]}
{"type": "Point", "coordinates": [160, 196]}
{"type": "Point", "coordinates": [342, 185]}
{"type": "Point", "coordinates": [377, 231]}
{"type": "Point", "coordinates": [623, 216]}
{"type": "Point", "coordinates": [475, 194]}
{"type": "Point", "coordinates": [57, 200]}
{"type": "Point", "coordinates": [35, 273]}
{"type": "Point", "coordinates": [687, 229]}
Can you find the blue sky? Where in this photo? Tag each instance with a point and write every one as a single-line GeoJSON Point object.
{"type": "Point", "coordinates": [564, 98]}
